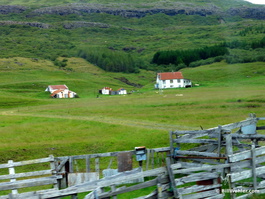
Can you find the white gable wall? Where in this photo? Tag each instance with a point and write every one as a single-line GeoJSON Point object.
{"type": "Point", "coordinates": [65, 94]}
{"type": "Point", "coordinates": [174, 83]}
{"type": "Point", "coordinates": [105, 91]}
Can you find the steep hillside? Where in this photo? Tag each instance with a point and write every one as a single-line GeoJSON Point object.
{"type": "Point", "coordinates": [124, 36]}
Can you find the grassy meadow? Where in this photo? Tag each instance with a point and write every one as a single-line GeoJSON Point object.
{"type": "Point", "coordinates": [33, 125]}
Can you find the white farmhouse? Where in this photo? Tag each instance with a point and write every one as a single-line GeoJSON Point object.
{"type": "Point", "coordinates": [60, 91]}
{"type": "Point", "coordinates": [171, 80]}
{"type": "Point", "coordinates": [105, 91]}
{"type": "Point", "coordinates": [121, 91]}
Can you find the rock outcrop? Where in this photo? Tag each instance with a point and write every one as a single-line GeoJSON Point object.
{"type": "Point", "coordinates": [33, 24]}
{"type": "Point", "coordinates": [79, 24]}
{"type": "Point", "coordinates": [6, 9]}
{"type": "Point", "coordinates": [126, 12]}
{"type": "Point", "coordinates": [177, 8]}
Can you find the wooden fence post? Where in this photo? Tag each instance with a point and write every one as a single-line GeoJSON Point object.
{"type": "Point", "coordinates": [147, 158]}
{"type": "Point", "coordinates": [229, 151]}
{"type": "Point", "coordinates": [253, 154]}
{"type": "Point", "coordinates": [97, 165]}
{"type": "Point", "coordinates": [152, 159]}
{"type": "Point", "coordinates": [87, 164]}
{"type": "Point", "coordinates": [12, 172]}
{"type": "Point", "coordinates": [53, 168]}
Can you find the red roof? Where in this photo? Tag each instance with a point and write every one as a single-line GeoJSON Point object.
{"type": "Point", "coordinates": [170, 75]}
{"type": "Point", "coordinates": [58, 87]}
{"type": "Point", "coordinates": [107, 88]}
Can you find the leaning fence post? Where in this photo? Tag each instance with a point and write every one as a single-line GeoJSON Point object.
{"type": "Point", "coordinates": [12, 172]}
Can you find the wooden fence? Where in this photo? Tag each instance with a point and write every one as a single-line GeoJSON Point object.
{"type": "Point", "coordinates": [208, 163]}
{"type": "Point", "coordinates": [14, 180]}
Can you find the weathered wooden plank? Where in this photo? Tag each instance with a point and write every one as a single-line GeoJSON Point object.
{"type": "Point", "coordinates": [253, 164]}
{"type": "Point", "coordinates": [203, 168]}
{"type": "Point", "coordinates": [219, 140]}
{"type": "Point", "coordinates": [208, 131]}
{"type": "Point", "coordinates": [201, 195]}
{"type": "Point", "coordinates": [237, 124]}
{"type": "Point", "coordinates": [163, 149]}
{"type": "Point", "coordinates": [229, 146]}
{"type": "Point", "coordinates": [193, 136]}
{"type": "Point", "coordinates": [87, 164]}
{"type": "Point", "coordinates": [245, 196]}
{"type": "Point", "coordinates": [27, 183]}
{"type": "Point", "coordinates": [99, 155]}
{"type": "Point", "coordinates": [197, 188]}
{"type": "Point", "coordinates": [62, 164]}
{"type": "Point", "coordinates": [219, 196]}
{"type": "Point", "coordinates": [246, 163]}
{"type": "Point", "coordinates": [261, 185]}
{"type": "Point", "coordinates": [129, 189]}
{"type": "Point", "coordinates": [12, 172]}
{"type": "Point", "coordinates": [245, 154]}
{"type": "Point", "coordinates": [201, 148]}
{"type": "Point", "coordinates": [26, 195]}
{"type": "Point", "coordinates": [200, 141]}
{"type": "Point", "coordinates": [196, 177]}
{"type": "Point", "coordinates": [27, 174]}
{"type": "Point", "coordinates": [27, 162]}
{"type": "Point", "coordinates": [250, 136]}
{"type": "Point", "coordinates": [90, 186]}
{"type": "Point", "coordinates": [172, 178]}
{"type": "Point", "coordinates": [212, 148]}
{"type": "Point", "coordinates": [246, 174]}
{"type": "Point", "coordinates": [196, 153]}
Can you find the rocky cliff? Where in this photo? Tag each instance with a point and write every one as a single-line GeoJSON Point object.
{"type": "Point", "coordinates": [126, 11]}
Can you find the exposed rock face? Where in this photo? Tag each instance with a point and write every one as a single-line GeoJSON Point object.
{"type": "Point", "coordinates": [246, 12]}
{"type": "Point", "coordinates": [33, 24]}
{"type": "Point", "coordinates": [126, 81]}
{"type": "Point", "coordinates": [126, 12]}
{"type": "Point", "coordinates": [79, 24]}
{"type": "Point", "coordinates": [6, 9]}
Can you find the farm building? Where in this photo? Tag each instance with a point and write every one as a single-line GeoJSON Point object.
{"type": "Point", "coordinates": [60, 91]}
{"type": "Point", "coordinates": [171, 80]}
{"type": "Point", "coordinates": [110, 91]}
{"type": "Point", "coordinates": [105, 91]}
{"type": "Point", "coordinates": [121, 91]}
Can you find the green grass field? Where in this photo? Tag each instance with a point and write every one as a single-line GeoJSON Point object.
{"type": "Point", "coordinates": [33, 125]}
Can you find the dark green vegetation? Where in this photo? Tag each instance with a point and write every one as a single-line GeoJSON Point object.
{"type": "Point", "coordinates": [133, 31]}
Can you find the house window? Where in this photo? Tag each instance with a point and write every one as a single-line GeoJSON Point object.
{"type": "Point", "coordinates": [164, 81]}
{"type": "Point", "coordinates": [171, 81]}
{"type": "Point", "coordinates": [178, 80]}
